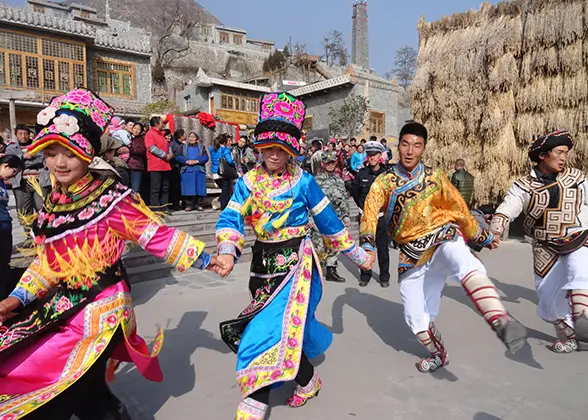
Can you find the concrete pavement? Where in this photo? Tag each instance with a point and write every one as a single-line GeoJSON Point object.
{"type": "Point", "coordinates": [369, 373]}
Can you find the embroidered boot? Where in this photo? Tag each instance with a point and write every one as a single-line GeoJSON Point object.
{"type": "Point", "coordinates": [566, 338]}
{"type": "Point", "coordinates": [579, 300]}
{"type": "Point", "coordinates": [305, 393]}
{"type": "Point", "coordinates": [433, 342]}
{"type": "Point", "coordinates": [484, 295]}
{"type": "Point", "coordinates": [250, 409]}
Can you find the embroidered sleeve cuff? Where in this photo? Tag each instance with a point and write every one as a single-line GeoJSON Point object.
{"type": "Point", "coordinates": [499, 223]}
{"type": "Point", "coordinates": [340, 242]}
{"type": "Point", "coordinates": [367, 241]}
{"type": "Point", "coordinates": [230, 242]}
{"type": "Point", "coordinates": [22, 295]}
{"type": "Point", "coordinates": [228, 248]}
{"type": "Point", "coordinates": [356, 255]}
{"type": "Point", "coordinates": [183, 251]}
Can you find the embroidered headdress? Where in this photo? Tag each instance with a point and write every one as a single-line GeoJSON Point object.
{"type": "Point", "coordinates": [549, 141]}
{"type": "Point", "coordinates": [75, 120]}
{"type": "Point", "coordinates": [280, 122]}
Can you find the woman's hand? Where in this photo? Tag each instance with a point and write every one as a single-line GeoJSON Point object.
{"type": "Point", "coordinates": [367, 266]}
{"type": "Point", "coordinates": [7, 306]}
{"type": "Point", "coordinates": [226, 264]}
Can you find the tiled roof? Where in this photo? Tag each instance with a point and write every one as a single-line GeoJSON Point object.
{"type": "Point", "coordinates": [116, 43]}
{"type": "Point", "coordinates": [202, 79]}
{"type": "Point", "coordinates": [40, 20]}
{"type": "Point", "coordinates": [74, 27]}
{"type": "Point", "coordinates": [325, 84]}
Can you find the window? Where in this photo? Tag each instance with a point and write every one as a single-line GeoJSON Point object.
{"type": "Point", "coordinates": [85, 14]}
{"type": "Point", "coordinates": [307, 124]}
{"type": "Point", "coordinates": [238, 39]}
{"type": "Point", "coordinates": [115, 78]}
{"type": "Point", "coordinates": [377, 123]}
{"type": "Point", "coordinates": [223, 37]}
{"type": "Point", "coordinates": [239, 103]}
{"type": "Point", "coordinates": [38, 9]}
{"type": "Point", "coordinates": [187, 103]}
{"type": "Point", "coordinates": [40, 63]}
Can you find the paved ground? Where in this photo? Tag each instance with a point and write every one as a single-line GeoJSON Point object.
{"type": "Point", "coordinates": [369, 372]}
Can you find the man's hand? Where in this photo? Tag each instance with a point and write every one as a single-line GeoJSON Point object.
{"type": "Point", "coordinates": [225, 264]}
{"type": "Point", "coordinates": [7, 306]}
{"type": "Point", "coordinates": [367, 266]}
{"type": "Point", "coordinates": [495, 242]}
{"type": "Point", "coordinates": [26, 155]}
{"type": "Point", "coordinates": [169, 157]}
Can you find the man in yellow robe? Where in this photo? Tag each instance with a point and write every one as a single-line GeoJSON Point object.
{"type": "Point", "coordinates": [429, 222]}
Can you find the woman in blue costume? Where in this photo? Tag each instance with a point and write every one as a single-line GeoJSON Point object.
{"type": "Point", "coordinates": [193, 172]}
{"type": "Point", "coordinates": [277, 333]}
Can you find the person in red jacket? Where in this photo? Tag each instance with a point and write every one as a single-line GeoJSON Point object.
{"type": "Point", "coordinates": [158, 158]}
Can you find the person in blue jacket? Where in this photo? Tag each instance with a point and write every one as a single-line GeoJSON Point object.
{"type": "Point", "coordinates": [219, 150]}
{"type": "Point", "coordinates": [357, 159]}
{"type": "Point", "coordinates": [193, 172]}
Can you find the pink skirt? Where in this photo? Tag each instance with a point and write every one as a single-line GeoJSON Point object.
{"type": "Point", "coordinates": [38, 373]}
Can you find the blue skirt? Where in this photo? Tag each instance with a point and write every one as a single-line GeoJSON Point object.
{"type": "Point", "coordinates": [271, 333]}
{"type": "Point", "coordinates": [193, 183]}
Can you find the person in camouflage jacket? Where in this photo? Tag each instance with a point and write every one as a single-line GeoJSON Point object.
{"type": "Point", "coordinates": [334, 188]}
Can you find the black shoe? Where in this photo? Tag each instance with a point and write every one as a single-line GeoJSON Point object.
{"type": "Point", "coordinates": [333, 276]}
{"type": "Point", "coordinates": [363, 283]}
{"type": "Point", "coordinates": [511, 332]}
{"type": "Point", "coordinates": [385, 284]}
{"type": "Point", "coordinates": [199, 208]}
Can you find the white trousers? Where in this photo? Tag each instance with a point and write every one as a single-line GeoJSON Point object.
{"type": "Point", "coordinates": [570, 272]}
{"type": "Point", "coordinates": [421, 287]}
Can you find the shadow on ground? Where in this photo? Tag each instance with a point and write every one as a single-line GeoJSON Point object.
{"type": "Point", "coordinates": [386, 319]}
{"type": "Point", "coordinates": [524, 355]}
{"type": "Point", "coordinates": [180, 375]}
{"type": "Point", "coordinates": [485, 416]}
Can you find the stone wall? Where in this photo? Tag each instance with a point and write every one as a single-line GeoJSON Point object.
{"type": "Point", "coordinates": [319, 105]}
{"type": "Point", "coordinates": [382, 100]}
{"type": "Point", "coordinates": [218, 60]}
{"type": "Point", "coordinates": [142, 81]}
{"type": "Point", "coordinates": [386, 101]}
{"type": "Point", "coordinates": [198, 97]}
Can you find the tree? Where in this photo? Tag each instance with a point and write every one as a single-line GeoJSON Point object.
{"type": "Point", "coordinates": [275, 61]}
{"type": "Point", "coordinates": [171, 35]}
{"type": "Point", "coordinates": [286, 51]}
{"type": "Point", "coordinates": [406, 64]}
{"type": "Point", "coordinates": [349, 118]}
{"type": "Point", "coordinates": [299, 49]}
{"type": "Point", "coordinates": [334, 49]}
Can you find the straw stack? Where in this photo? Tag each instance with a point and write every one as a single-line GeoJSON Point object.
{"type": "Point", "coordinates": [489, 80]}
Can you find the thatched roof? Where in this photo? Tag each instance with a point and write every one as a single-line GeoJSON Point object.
{"type": "Point", "coordinates": [489, 80]}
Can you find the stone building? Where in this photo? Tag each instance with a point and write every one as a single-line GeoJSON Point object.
{"type": "Point", "coordinates": [49, 48]}
{"type": "Point", "coordinates": [230, 101]}
{"type": "Point", "coordinates": [384, 117]}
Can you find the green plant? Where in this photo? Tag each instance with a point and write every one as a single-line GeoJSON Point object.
{"type": "Point", "coordinates": [164, 106]}
{"type": "Point", "coordinates": [349, 118]}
